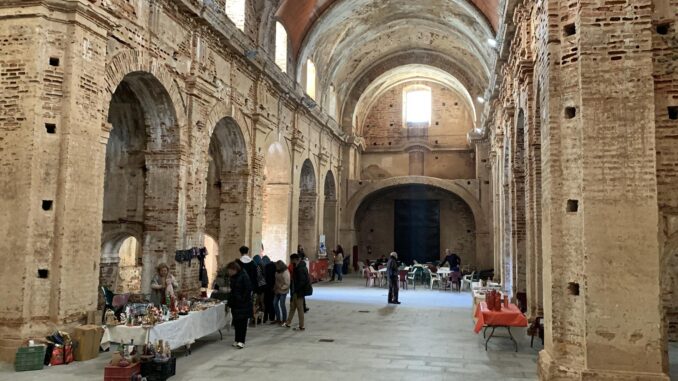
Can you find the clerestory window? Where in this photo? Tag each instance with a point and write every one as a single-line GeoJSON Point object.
{"type": "Point", "coordinates": [281, 47]}
{"type": "Point", "coordinates": [235, 10]}
{"type": "Point", "coordinates": [417, 106]}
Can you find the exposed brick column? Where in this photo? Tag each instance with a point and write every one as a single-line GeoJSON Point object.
{"type": "Point", "coordinates": [164, 217]}
{"type": "Point", "coordinates": [234, 215]}
{"type": "Point", "coordinates": [52, 161]}
{"type": "Point", "coordinates": [601, 261]}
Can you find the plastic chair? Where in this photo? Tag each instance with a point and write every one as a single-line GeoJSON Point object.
{"type": "Point", "coordinates": [467, 280]}
{"type": "Point", "coordinates": [455, 279]}
{"type": "Point", "coordinates": [402, 276]}
{"type": "Point", "coordinates": [412, 277]}
{"type": "Point", "coordinates": [370, 277]}
{"type": "Point", "coordinates": [433, 278]}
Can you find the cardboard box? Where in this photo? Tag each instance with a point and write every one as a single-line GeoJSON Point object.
{"type": "Point", "coordinates": [89, 339]}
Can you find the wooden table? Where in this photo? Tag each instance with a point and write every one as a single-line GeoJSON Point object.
{"type": "Point", "coordinates": [506, 318]}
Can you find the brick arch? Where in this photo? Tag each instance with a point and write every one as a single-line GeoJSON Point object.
{"type": "Point", "coordinates": [359, 197]}
{"type": "Point", "coordinates": [130, 61]}
{"type": "Point", "coordinates": [351, 97]}
{"type": "Point", "coordinates": [223, 110]}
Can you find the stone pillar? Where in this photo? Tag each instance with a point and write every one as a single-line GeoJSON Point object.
{"type": "Point", "coordinates": [234, 215]}
{"type": "Point", "coordinates": [164, 212]}
{"type": "Point", "coordinates": [601, 259]}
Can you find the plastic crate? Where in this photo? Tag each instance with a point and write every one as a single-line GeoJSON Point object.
{"type": "Point", "coordinates": [159, 371]}
{"type": "Point", "coordinates": [116, 373]}
{"type": "Point", "coordinates": [29, 358]}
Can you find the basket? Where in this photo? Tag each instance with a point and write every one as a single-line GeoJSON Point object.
{"type": "Point", "coordinates": [159, 371]}
{"type": "Point", "coordinates": [29, 358]}
{"type": "Point", "coordinates": [116, 373]}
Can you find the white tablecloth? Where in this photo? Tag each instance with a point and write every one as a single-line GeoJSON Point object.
{"type": "Point", "coordinates": [180, 332]}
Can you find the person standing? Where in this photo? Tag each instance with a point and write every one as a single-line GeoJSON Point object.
{"type": "Point", "coordinates": [247, 264]}
{"type": "Point", "coordinates": [269, 274]}
{"type": "Point", "coordinates": [300, 288]}
{"type": "Point", "coordinates": [240, 302]}
{"type": "Point", "coordinates": [452, 260]}
{"type": "Point", "coordinates": [338, 265]}
{"type": "Point", "coordinates": [163, 285]}
{"type": "Point", "coordinates": [282, 287]}
{"type": "Point", "coordinates": [393, 275]}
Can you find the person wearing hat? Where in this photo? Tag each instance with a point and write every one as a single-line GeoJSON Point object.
{"type": "Point", "coordinates": [392, 273]}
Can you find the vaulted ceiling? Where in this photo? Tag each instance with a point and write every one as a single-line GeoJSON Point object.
{"type": "Point", "coordinates": [354, 43]}
{"type": "Point", "coordinates": [299, 16]}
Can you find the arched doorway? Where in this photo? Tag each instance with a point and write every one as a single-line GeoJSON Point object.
{"type": "Point", "coordinates": [120, 269]}
{"type": "Point", "coordinates": [276, 203]}
{"type": "Point", "coordinates": [227, 184]}
{"type": "Point", "coordinates": [141, 177]}
{"type": "Point", "coordinates": [330, 212]}
{"type": "Point", "coordinates": [211, 261]}
{"type": "Point", "coordinates": [378, 217]}
{"type": "Point", "coordinates": [308, 200]}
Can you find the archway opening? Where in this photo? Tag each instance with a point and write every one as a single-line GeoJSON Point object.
{"type": "Point", "coordinates": [227, 182]}
{"type": "Point", "coordinates": [330, 212]}
{"type": "Point", "coordinates": [139, 187]}
{"type": "Point", "coordinates": [276, 203]}
{"type": "Point", "coordinates": [121, 268]}
{"type": "Point", "coordinates": [211, 261]}
{"type": "Point", "coordinates": [384, 212]}
{"type": "Point", "coordinates": [308, 199]}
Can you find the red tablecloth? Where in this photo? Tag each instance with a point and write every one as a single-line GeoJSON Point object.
{"type": "Point", "coordinates": [507, 317]}
{"type": "Point", "coordinates": [318, 270]}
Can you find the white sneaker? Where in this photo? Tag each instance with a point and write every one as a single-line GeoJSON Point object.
{"type": "Point", "coordinates": [235, 344]}
{"type": "Point", "coordinates": [240, 345]}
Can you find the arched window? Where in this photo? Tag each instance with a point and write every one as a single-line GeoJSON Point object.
{"type": "Point", "coordinates": [417, 106]}
{"type": "Point", "coordinates": [235, 10]}
{"type": "Point", "coordinates": [310, 79]}
{"type": "Point", "coordinates": [281, 47]}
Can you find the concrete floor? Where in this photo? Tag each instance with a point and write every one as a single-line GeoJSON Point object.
{"type": "Point", "coordinates": [428, 337]}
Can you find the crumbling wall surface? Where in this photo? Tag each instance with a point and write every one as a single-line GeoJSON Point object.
{"type": "Point", "coordinates": [106, 135]}
{"type": "Point", "coordinates": [439, 150]}
{"type": "Point", "coordinates": [665, 59]}
{"type": "Point", "coordinates": [584, 141]}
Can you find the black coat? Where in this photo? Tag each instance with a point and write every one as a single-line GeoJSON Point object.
{"type": "Point", "coordinates": [251, 271]}
{"type": "Point", "coordinates": [301, 281]}
{"type": "Point", "coordinates": [240, 298]}
{"type": "Point", "coordinates": [269, 274]}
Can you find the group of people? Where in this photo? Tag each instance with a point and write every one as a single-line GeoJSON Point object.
{"type": "Point", "coordinates": [260, 286]}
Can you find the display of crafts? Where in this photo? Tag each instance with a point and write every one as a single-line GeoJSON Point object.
{"type": "Point", "coordinates": [148, 315]}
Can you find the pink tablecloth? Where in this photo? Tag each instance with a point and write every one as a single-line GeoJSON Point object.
{"type": "Point", "coordinates": [507, 317]}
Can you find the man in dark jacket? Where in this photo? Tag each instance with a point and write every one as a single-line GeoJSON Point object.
{"type": "Point", "coordinates": [240, 302]}
{"type": "Point", "coordinates": [269, 274]}
{"type": "Point", "coordinates": [247, 264]}
{"type": "Point", "coordinates": [392, 273]}
{"type": "Point", "coordinates": [300, 288]}
{"type": "Point", "coordinates": [452, 260]}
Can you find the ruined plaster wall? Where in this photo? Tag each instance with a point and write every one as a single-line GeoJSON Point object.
{"type": "Point", "coordinates": [665, 51]}
{"type": "Point", "coordinates": [375, 223]}
{"type": "Point", "coordinates": [443, 146]}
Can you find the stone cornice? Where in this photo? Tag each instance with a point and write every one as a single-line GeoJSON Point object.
{"type": "Point", "coordinates": [33, 8]}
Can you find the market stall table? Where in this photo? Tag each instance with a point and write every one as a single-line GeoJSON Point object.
{"type": "Point", "coordinates": [181, 332]}
{"type": "Point", "coordinates": [508, 317]}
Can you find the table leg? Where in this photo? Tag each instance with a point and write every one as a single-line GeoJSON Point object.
{"type": "Point", "coordinates": [221, 335]}
{"type": "Point", "coordinates": [488, 339]}
{"type": "Point", "coordinates": [188, 349]}
{"type": "Point", "coordinates": [512, 339]}
{"type": "Point", "coordinates": [485, 331]}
